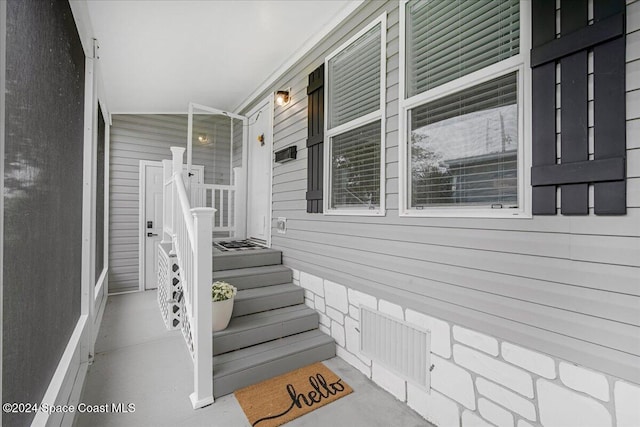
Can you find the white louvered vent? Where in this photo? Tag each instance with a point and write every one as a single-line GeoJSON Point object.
{"type": "Point", "coordinates": [403, 348]}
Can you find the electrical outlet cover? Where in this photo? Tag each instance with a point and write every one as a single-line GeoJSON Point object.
{"type": "Point", "coordinates": [281, 225]}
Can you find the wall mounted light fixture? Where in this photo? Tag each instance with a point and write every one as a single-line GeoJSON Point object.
{"type": "Point", "coordinates": [282, 97]}
{"type": "Point", "coordinates": [203, 139]}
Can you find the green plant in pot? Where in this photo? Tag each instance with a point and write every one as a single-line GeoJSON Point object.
{"type": "Point", "coordinates": [222, 296]}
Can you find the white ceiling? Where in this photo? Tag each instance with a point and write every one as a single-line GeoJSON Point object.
{"type": "Point", "coordinates": [157, 56]}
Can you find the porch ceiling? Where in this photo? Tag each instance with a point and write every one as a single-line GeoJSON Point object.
{"type": "Point", "coordinates": [157, 56]}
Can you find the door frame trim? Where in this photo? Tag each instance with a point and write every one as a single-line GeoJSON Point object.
{"type": "Point", "coordinates": [142, 213]}
{"type": "Point", "coordinates": [269, 103]}
{"type": "Point", "coordinates": [207, 109]}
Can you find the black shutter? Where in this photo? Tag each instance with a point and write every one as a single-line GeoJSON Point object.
{"type": "Point", "coordinates": [315, 139]}
{"type": "Point", "coordinates": [606, 39]}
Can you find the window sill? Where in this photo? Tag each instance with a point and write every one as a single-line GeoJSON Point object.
{"type": "Point", "coordinates": [355, 212]}
{"type": "Point", "coordinates": [466, 213]}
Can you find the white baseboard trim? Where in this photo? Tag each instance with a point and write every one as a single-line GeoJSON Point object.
{"type": "Point", "coordinates": [100, 284]}
{"type": "Point", "coordinates": [100, 303]}
{"type": "Point", "coordinates": [134, 291]}
{"type": "Point", "coordinates": [67, 381]}
{"type": "Point", "coordinates": [76, 393]}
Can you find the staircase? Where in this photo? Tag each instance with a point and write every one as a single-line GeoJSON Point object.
{"type": "Point", "coordinates": [271, 331]}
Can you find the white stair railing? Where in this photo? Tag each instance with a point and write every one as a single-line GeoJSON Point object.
{"type": "Point", "coordinates": [229, 202]}
{"type": "Point", "coordinates": [190, 232]}
{"type": "Point", "coordinates": [220, 197]}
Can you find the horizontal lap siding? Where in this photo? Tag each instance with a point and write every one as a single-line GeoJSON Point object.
{"type": "Point", "coordinates": [238, 126]}
{"type": "Point", "coordinates": [134, 138]}
{"type": "Point", "coordinates": [565, 285]}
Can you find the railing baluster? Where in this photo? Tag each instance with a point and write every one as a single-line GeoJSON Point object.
{"type": "Point", "coordinates": [221, 208]}
{"type": "Point", "coordinates": [229, 202]}
{"type": "Point", "coordinates": [220, 197]}
{"type": "Point", "coordinates": [239, 202]}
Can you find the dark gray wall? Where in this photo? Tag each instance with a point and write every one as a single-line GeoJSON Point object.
{"type": "Point", "coordinates": [567, 286]}
{"type": "Point", "coordinates": [100, 187]}
{"type": "Point", "coordinates": [43, 196]}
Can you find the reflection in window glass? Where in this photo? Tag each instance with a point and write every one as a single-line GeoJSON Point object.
{"type": "Point", "coordinates": [464, 147]}
{"type": "Point", "coordinates": [355, 168]}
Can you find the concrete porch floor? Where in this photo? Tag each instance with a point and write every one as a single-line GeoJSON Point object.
{"type": "Point", "coordinates": [138, 361]}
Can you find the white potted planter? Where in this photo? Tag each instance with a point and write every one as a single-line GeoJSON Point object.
{"type": "Point", "coordinates": [222, 297]}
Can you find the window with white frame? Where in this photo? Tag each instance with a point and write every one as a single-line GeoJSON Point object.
{"type": "Point", "coordinates": [354, 152]}
{"type": "Point", "coordinates": [462, 107]}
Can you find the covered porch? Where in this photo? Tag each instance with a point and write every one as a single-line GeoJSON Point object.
{"type": "Point", "coordinates": [465, 239]}
{"type": "Point", "coordinates": [138, 361]}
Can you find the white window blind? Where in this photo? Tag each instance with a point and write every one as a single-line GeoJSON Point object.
{"type": "Point", "coordinates": [354, 79]}
{"type": "Point", "coordinates": [447, 39]}
{"type": "Point", "coordinates": [355, 168]}
{"type": "Point", "coordinates": [463, 148]}
{"type": "Point", "coordinates": [354, 129]}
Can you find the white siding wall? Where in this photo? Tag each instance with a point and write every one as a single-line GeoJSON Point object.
{"type": "Point", "coordinates": [565, 286]}
{"type": "Point", "coordinates": [148, 137]}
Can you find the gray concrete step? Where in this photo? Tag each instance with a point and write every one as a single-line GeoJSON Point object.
{"type": "Point", "coordinates": [246, 331]}
{"type": "Point", "coordinates": [255, 300]}
{"type": "Point", "coordinates": [241, 368]}
{"type": "Point", "coordinates": [254, 277]}
{"type": "Point", "coordinates": [271, 331]}
{"type": "Point", "coordinates": [242, 259]}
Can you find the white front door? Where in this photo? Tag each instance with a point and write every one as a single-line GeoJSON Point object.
{"type": "Point", "coordinates": [259, 172]}
{"type": "Point", "coordinates": [152, 222]}
{"type": "Point", "coordinates": [151, 216]}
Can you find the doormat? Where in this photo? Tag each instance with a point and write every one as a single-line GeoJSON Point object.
{"type": "Point", "coordinates": [236, 245]}
{"type": "Point", "coordinates": [281, 399]}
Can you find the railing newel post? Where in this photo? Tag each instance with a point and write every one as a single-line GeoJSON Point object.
{"type": "Point", "coordinates": [201, 328]}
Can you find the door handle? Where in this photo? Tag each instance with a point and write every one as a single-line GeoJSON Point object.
{"type": "Point", "coordinates": [151, 234]}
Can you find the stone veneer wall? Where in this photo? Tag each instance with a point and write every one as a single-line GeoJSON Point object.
{"type": "Point", "coordinates": [477, 380]}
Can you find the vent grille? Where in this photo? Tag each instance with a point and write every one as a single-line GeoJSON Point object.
{"type": "Point", "coordinates": [401, 347]}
